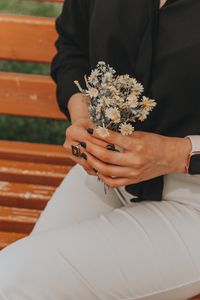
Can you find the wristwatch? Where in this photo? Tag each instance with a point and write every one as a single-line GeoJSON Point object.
{"type": "Point", "coordinates": [193, 164]}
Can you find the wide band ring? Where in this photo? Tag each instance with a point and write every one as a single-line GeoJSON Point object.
{"type": "Point", "coordinates": [76, 151]}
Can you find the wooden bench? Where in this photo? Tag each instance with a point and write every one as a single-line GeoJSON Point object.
{"type": "Point", "coordinates": [29, 173]}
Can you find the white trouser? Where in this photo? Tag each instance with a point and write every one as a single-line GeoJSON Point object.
{"type": "Point", "coordinates": [88, 246]}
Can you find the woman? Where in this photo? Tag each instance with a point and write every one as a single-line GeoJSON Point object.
{"type": "Point", "coordinates": [87, 244]}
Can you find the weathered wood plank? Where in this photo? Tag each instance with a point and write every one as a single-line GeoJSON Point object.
{"type": "Point", "coordinates": [32, 152]}
{"type": "Point", "coordinates": [7, 238]}
{"type": "Point", "coordinates": [18, 220]}
{"type": "Point", "coordinates": [27, 38]}
{"type": "Point", "coordinates": [35, 173]}
{"type": "Point", "coordinates": [22, 195]}
{"type": "Point", "coordinates": [28, 95]}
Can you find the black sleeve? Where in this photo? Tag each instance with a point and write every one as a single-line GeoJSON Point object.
{"type": "Point", "coordinates": [72, 59]}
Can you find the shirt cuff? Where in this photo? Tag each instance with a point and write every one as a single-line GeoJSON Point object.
{"type": "Point", "coordinates": [195, 141]}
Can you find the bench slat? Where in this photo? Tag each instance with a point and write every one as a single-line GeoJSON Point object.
{"type": "Point", "coordinates": [32, 152]}
{"type": "Point", "coordinates": [18, 220]}
{"type": "Point", "coordinates": [35, 173]}
{"type": "Point", "coordinates": [26, 38]}
{"type": "Point", "coordinates": [28, 95]}
{"type": "Point", "coordinates": [23, 195]}
{"type": "Point", "coordinates": [7, 238]}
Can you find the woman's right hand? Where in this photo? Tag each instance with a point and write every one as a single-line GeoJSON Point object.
{"type": "Point", "coordinates": [77, 132]}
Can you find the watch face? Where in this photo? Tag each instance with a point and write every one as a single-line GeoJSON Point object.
{"type": "Point", "coordinates": [194, 167]}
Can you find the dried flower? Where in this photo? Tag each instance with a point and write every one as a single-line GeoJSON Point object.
{"type": "Point", "coordinates": [93, 93]}
{"type": "Point", "coordinates": [113, 114]}
{"type": "Point", "coordinates": [115, 101]}
{"type": "Point", "coordinates": [126, 129]}
{"type": "Point", "coordinates": [132, 100]}
{"type": "Point", "coordinates": [102, 131]}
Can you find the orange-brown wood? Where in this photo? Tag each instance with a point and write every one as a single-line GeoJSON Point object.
{"type": "Point", "coordinates": [23, 195]}
{"type": "Point", "coordinates": [18, 220]}
{"type": "Point", "coordinates": [27, 38]}
{"type": "Point", "coordinates": [22, 151]}
{"type": "Point", "coordinates": [28, 95]}
{"type": "Point", "coordinates": [7, 238]}
{"type": "Point", "coordinates": [35, 173]}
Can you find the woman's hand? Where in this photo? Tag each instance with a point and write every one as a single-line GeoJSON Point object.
{"type": "Point", "coordinates": [145, 156]}
{"type": "Point", "coordinates": [78, 109]}
{"type": "Point", "coordinates": [76, 133]}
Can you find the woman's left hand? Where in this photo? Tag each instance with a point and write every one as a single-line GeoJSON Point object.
{"type": "Point", "coordinates": [146, 155]}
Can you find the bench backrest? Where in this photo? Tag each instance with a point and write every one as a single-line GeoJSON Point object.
{"type": "Point", "coordinates": [28, 39]}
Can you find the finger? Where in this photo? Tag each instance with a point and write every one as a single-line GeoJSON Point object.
{"type": "Point", "coordinates": [105, 155]}
{"type": "Point", "coordinates": [77, 133]}
{"type": "Point", "coordinates": [68, 146]}
{"type": "Point", "coordinates": [115, 182]}
{"type": "Point", "coordinates": [116, 138]}
{"type": "Point", "coordinates": [110, 170]}
{"type": "Point", "coordinates": [88, 168]}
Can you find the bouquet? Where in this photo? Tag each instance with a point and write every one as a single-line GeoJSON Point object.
{"type": "Point", "coordinates": [115, 102]}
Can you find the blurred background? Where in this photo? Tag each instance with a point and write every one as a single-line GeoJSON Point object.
{"type": "Point", "coordinates": [27, 129]}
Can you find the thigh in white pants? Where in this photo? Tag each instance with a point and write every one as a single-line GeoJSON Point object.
{"type": "Point", "coordinates": [88, 246]}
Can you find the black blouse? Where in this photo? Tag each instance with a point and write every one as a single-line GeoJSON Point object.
{"type": "Point", "coordinates": [158, 46]}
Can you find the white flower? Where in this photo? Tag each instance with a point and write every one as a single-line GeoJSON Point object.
{"type": "Point", "coordinates": [123, 79]}
{"type": "Point", "coordinates": [126, 129]}
{"type": "Point", "coordinates": [119, 99]}
{"type": "Point", "coordinates": [138, 88]}
{"type": "Point", "coordinates": [113, 89]}
{"type": "Point", "coordinates": [102, 131]}
{"type": "Point", "coordinates": [144, 112]}
{"type": "Point", "coordinates": [146, 102]}
{"type": "Point", "coordinates": [132, 100]}
{"type": "Point", "coordinates": [101, 63]}
{"type": "Point", "coordinates": [113, 114]}
{"type": "Point", "coordinates": [108, 76]}
{"type": "Point", "coordinates": [93, 77]}
{"type": "Point", "coordinates": [93, 93]}
{"type": "Point", "coordinates": [107, 101]}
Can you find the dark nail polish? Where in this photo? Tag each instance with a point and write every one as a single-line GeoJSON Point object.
{"type": "Point", "coordinates": [83, 144]}
{"type": "Point", "coordinates": [110, 147]}
{"type": "Point", "coordinates": [90, 130]}
{"type": "Point", "coordinates": [84, 155]}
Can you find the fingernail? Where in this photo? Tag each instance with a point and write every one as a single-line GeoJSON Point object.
{"type": "Point", "coordinates": [83, 144]}
{"type": "Point", "coordinates": [95, 170]}
{"type": "Point", "coordinates": [110, 147]}
{"type": "Point", "coordinates": [90, 130]}
{"type": "Point", "coordinates": [84, 155]}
